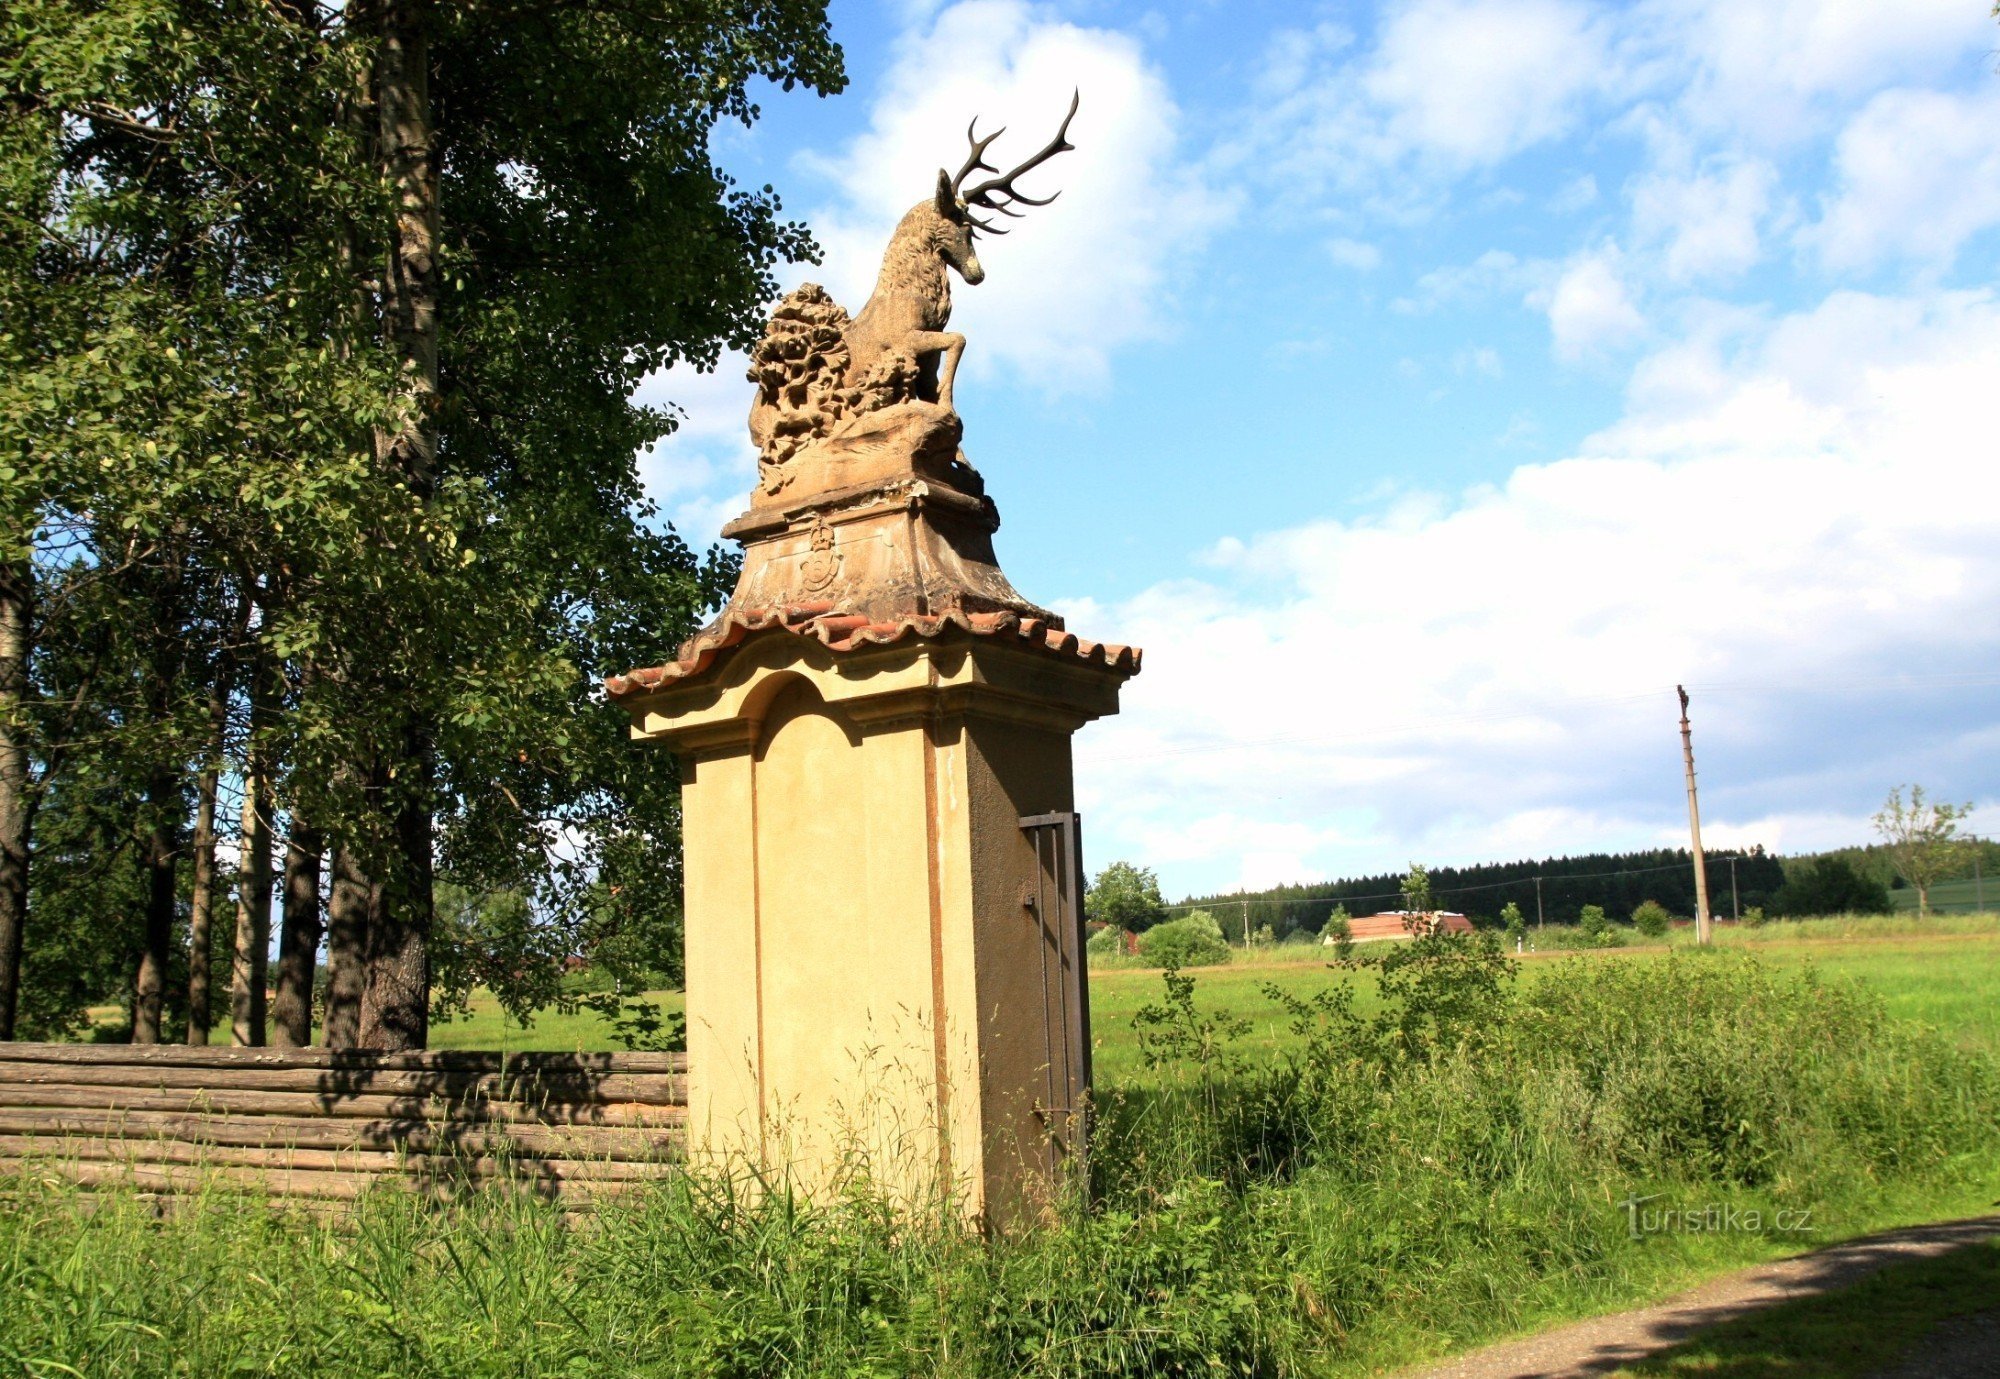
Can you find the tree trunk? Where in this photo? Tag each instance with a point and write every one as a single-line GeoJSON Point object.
{"type": "Point", "coordinates": [396, 1006]}
{"type": "Point", "coordinates": [162, 856]}
{"type": "Point", "coordinates": [249, 972]}
{"type": "Point", "coordinates": [17, 593]}
{"type": "Point", "coordinates": [298, 942]}
{"type": "Point", "coordinates": [349, 908]}
{"type": "Point", "coordinates": [248, 969]}
{"type": "Point", "coordinates": [201, 912]}
{"type": "Point", "coordinates": [395, 1010]}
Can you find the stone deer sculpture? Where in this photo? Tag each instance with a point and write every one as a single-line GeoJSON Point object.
{"type": "Point", "coordinates": [907, 313]}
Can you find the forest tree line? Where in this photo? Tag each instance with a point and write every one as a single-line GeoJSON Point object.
{"type": "Point", "coordinates": [319, 330]}
{"type": "Point", "coordinates": [1617, 882]}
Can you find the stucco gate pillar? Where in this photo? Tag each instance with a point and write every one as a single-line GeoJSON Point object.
{"type": "Point", "coordinates": [882, 974]}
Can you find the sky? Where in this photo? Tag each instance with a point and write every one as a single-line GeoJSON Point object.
{"type": "Point", "coordinates": [1430, 386]}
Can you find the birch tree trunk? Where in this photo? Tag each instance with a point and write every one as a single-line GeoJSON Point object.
{"type": "Point", "coordinates": [17, 592]}
{"type": "Point", "coordinates": [249, 969]}
{"type": "Point", "coordinates": [250, 960]}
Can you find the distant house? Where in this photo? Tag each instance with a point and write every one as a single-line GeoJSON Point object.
{"type": "Point", "coordinates": [1405, 924]}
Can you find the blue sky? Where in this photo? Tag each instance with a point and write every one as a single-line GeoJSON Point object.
{"type": "Point", "coordinates": [1429, 386]}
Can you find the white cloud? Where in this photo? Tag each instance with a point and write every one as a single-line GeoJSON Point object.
{"type": "Point", "coordinates": [1474, 81]}
{"type": "Point", "coordinates": [1919, 175]}
{"type": "Point", "coordinates": [1782, 526]}
{"type": "Point", "coordinates": [1706, 223]}
{"type": "Point", "coordinates": [1494, 271]}
{"type": "Point", "coordinates": [1590, 312]}
{"type": "Point", "coordinates": [1448, 87]}
{"type": "Point", "coordinates": [1354, 254]}
{"type": "Point", "coordinates": [1075, 280]}
{"type": "Point", "coordinates": [1772, 72]}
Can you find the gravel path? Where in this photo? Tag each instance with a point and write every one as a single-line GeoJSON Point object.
{"type": "Point", "coordinates": [1601, 1345]}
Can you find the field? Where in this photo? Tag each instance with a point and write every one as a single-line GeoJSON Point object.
{"type": "Point", "coordinates": [1437, 1149]}
{"type": "Point", "coordinates": [1965, 893]}
{"type": "Point", "coordinates": [1944, 971]}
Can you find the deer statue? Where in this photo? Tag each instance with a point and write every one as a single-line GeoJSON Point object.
{"type": "Point", "coordinates": [830, 387]}
{"type": "Point", "coordinates": [911, 305]}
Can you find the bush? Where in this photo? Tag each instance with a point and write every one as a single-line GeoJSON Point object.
{"type": "Point", "coordinates": [1108, 942]}
{"type": "Point", "coordinates": [1194, 940]}
{"type": "Point", "coordinates": [1753, 916]}
{"type": "Point", "coordinates": [1651, 919]}
{"type": "Point", "coordinates": [1591, 920]}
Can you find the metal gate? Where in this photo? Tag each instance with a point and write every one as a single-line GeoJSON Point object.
{"type": "Point", "coordinates": [1054, 901]}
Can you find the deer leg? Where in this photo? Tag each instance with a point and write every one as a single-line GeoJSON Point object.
{"type": "Point", "coordinates": [947, 344]}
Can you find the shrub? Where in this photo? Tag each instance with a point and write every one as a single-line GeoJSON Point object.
{"type": "Point", "coordinates": [1339, 928]}
{"type": "Point", "coordinates": [1107, 942]}
{"type": "Point", "coordinates": [1753, 916]}
{"type": "Point", "coordinates": [1194, 940]}
{"type": "Point", "coordinates": [1650, 918]}
{"type": "Point", "coordinates": [1591, 920]}
{"type": "Point", "coordinates": [1512, 920]}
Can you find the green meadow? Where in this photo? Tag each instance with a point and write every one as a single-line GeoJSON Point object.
{"type": "Point", "coordinates": [1299, 1170]}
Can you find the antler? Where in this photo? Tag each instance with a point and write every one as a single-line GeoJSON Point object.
{"type": "Point", "coordinates": [998, 193]}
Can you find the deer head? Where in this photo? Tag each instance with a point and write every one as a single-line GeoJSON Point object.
{"type": "Point", "coordinates": [956, 202]}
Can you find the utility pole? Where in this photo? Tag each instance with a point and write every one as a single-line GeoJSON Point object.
{"type": "Point", "coordinates": [1538, 903]}
{"type": "Point", "coordinates": [1735, 902]}
{"type": "Point", "coordinates": [1701, 921]}
{"type": "Point", "coordinates": [1978, 881]}
{"type": "Point", "coordinates": [1246, 923]}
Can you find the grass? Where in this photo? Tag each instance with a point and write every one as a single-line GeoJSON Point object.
{"type": "Point", "coordinates": [1847, 1335]}
{"type": "Point", "coordinates": [487, 1026]}
{"type": "Point", "coordinates": [1416, 1158]}
{"type": "Point", "coordinates": [1943, 971]}
{"type": "Point", "coordinates": [1961, 893]}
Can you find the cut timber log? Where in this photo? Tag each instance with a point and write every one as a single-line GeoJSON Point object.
{"type": "Point", "coordinates": [321, 1126]}
{"type": "Point", "coordinates": [529, 1087]}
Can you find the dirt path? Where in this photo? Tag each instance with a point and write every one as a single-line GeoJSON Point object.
{"type": "Point", "coordinates": [1601, 1345]}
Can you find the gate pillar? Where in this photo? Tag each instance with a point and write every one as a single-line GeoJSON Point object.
{"type": "Point", "coordinates": [883, 965]}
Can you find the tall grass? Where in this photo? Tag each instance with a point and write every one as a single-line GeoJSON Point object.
{"type": "Point", "coordinates": [1447, 1163]}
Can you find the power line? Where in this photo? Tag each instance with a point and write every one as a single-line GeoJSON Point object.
{"type": "Point", "coordinates": [1943, 680]}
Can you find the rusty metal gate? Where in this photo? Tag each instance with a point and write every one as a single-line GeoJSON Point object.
{"type": "Point", "coordinates": [1054, 901]}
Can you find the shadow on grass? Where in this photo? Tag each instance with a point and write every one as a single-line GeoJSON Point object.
{"type": "Point", "coordinates": [1918, 1318]}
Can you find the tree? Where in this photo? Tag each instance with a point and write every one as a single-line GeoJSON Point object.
{"type": "Point", "coordinates": [341, 308]}
{"type": "Point", "coordinates": [1126, 897]}
{"type": "Point", "coordinates": [1830, 886]}
{"type": "Point", "coordinates": [1591, 920]}
{"type": "Point", "coordinates": [1922, 840]}
{"type": "Point", "coordinates": [1511, 920]}
{"type": "Point", "coordinates": [1650, 918]}
{"type": "Point", "coordinates": [1416, 890]}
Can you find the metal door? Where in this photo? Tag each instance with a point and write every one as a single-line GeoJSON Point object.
{"type": "Point", "coordinates": [1054, 902]}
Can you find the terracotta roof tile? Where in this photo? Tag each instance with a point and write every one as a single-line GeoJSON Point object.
{"type": "Point", "coordinates": [852, 632]}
